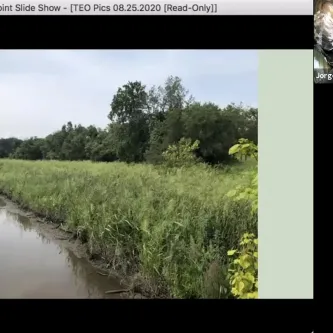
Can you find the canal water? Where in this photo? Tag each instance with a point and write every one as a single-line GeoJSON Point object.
{"type": "Point", "coordinates": [35, 266]}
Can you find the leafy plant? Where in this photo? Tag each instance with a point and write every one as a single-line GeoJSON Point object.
{"type": "Point", "coordinates": [247, 193]}
{"type": "Point", "coordinates": [250, 193]}
{"type": "Point", "coordinates": [244, 148]}
{"type": "Point", "coordinates": [244, 268]}
{"type": "Point", "coordinates": [181, 153]}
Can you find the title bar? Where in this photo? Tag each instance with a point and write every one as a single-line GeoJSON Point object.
{"type": "Point", "coordinates": [208, 7]}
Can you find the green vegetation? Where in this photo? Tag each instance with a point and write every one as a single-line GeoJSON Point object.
{"type": "Point", "coordinates": [143, 124]}
{"type": "Point", "coordinates": [244, 269]}
{"type": "Point", "coordinates": [181, 154]}
{"type": "Point", "coordinates": [246, 149]}
{"type": "Point", "coordinates": [171, 204]}
{"type": "Point", "coordinates": [168, 225]}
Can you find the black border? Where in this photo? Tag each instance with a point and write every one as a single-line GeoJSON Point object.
{"type": "Point", "coordinates": [156, 32]}
{"type": "Point", "coordinates": [322, 129]}
{"type": "Point", "coordinates": [226, 316]}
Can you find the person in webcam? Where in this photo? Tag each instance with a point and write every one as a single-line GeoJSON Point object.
{"type": "Point", "coordinates": [323, 34]}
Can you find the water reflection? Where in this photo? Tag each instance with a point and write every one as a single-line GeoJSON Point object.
{"type": "Point", "coordinates": [2, 203]}
{"type": "Point", "coordinates": [32, 266]}
{"type": "Point", "coordinates": [22, 221]}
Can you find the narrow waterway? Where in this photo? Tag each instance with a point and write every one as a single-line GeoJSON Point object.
{"type": "Point", "coordinates": [33, 265]}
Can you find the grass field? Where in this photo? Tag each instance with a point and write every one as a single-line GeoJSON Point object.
{"type": "Point", "coordinates": [170, 227]}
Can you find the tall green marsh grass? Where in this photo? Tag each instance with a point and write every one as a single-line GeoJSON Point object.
{"type": "Point", "coordinates": [171, 226]}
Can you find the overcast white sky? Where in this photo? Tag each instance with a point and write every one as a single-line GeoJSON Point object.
{"type": "Point", "coordinates": [42, 90]}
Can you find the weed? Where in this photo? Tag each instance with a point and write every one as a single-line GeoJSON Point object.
{"type": "Point", "coordinates": [173, 227]}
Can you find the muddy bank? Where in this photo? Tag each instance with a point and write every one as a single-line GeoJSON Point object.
{"type": "Point", "coordinates": [39, 260]}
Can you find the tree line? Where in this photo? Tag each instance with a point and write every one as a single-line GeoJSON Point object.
{"type": "Point", "coordinates": [143, 123]}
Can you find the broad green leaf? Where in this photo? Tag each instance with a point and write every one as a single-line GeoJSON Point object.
{"type": "Point", "coordinates": [245, 261]}
{"type": "Point", "coordinates": [234, 149]}
{"type": "Point", "coordinates": [250, 277]}
{"type": "Point", "coordinates": [234, 291]}
{"type": "Point", "coordinates": [231, 252]}
{"type": "Point", "coordinates": [241, 286]}
{"type": "Point", "coordinates": [253, 295]}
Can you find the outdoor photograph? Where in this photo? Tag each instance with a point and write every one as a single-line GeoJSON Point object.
{"type": "Point", "coordinates": [323, 41]}
{"type": "Point", "coordinates": [130, 173]}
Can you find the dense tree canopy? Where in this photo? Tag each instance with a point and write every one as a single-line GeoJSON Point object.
{"type": "Point", "coordinates": [8, 146]}
{"type": "Point", "coordinates": [143, 123]}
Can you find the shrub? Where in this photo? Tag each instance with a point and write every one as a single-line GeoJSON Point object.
{"type": "Point", "coordinates": [244, 148]}
{"type": "Point", "coordinates": [250, 193]}
{"type": "Point", "coordinates": [181, 153]}
{"type": "Point", "coordinates": [244, 268]}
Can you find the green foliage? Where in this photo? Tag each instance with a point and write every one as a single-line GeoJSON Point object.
{"type": "Point", "coordinates": [244, 268]}
{"type": "Point", "coordinates": [8, 146]}
{"type": "Point", "coordinates": [208, 124]}
{"type": "Point", "coordinates": [173, 228]}
{"type": "Point", "coordinates": [143, 124]}
{"type": "Point", "coordinates": [182, 153]}
{"type": "Point", "coordinates": [30, 149]}
{"type": "Point", "coordinates": [244, 121]}
{"type": "Point", "coordinates": [101, 148]}
{"type": "Point", "coordinates": [249, 192]}
{"type": "Point", "coordinates": [128, 103]}
{"type": "Point", "coordinates": [244, 148]}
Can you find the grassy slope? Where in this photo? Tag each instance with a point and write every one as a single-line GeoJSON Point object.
{"type": "Point", "coordinates": [174, 227]}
